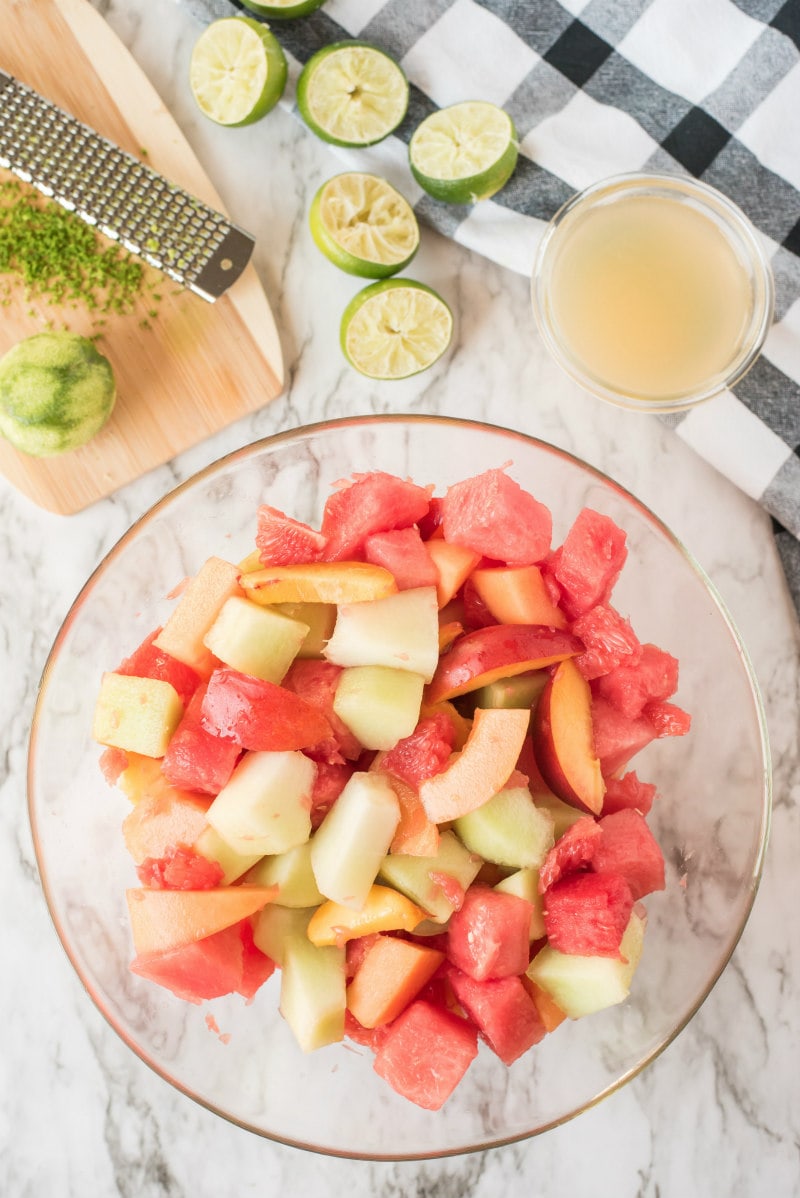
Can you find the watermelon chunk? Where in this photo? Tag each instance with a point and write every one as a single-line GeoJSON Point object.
{"type": "Point", "coordinates": [329, 782]}
{"type": "Point", "coordinates": [616, 738]}
{"type": "Point", "coordinates": [260, 715]}
{"type": "Point", "coordinates": [504, 1012]}
{"type": "Point", "coordinates": [424, 753]}
{"type": "Point", "coordinates": [282, 541]}
{"type": "Point", "coordinates": [226, 962]}
{"type": "Point", "coordinates": [425, 1053]}
{"type": "Point", "coordinates": [590, 561]}
{"type": "Point", "coordinates": [197, 759]}
{"type": "Point", "coordinates": [627, 847]}
{"type": "Point", "coordinates": [180, 868]}
{"type": "Point", "coordinates": [403, 553]}
{"type": "Point", "coordinates": [492, 515]}
{"type": "Point", "coordinates": [148, 661]}
{"type": "Point", "coordinates": [488, 937]}
{"type": "Point", "coordinates": [573, 851]}
{"type": "Point", "coordinates": [586, 914]}
{"type": "Point", "coordinates": [609, 639]}
{"type": "Point", "coordinates": [667, 719]}
{"type": "Point", "coordinates": [316, 682]}
{"type": "Point", "coordinates": [113, 762]}
{"type": "Point", "coordinates": [628, 791]}
{"type": "Point", "coordinates": [366, 504]}
{"type": "Point", "coordinates": [257, 967]}
{"type": "Point", "coordinates": [631, 685]}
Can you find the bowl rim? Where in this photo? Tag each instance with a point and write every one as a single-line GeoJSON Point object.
{"type": "Point", "coordinates": [720, 209]}
{"type": "Point", "coordinates": [303, 431]}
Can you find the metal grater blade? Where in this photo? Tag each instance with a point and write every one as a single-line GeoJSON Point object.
{"type": "Point", "coordinates": [111, 189]}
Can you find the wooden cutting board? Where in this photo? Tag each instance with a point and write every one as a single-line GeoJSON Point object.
{"type": "Point", "coordinates": [195, 367]}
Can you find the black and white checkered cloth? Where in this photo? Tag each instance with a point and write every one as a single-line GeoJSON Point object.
{"type": "Point", "coordinates": [709, 88]}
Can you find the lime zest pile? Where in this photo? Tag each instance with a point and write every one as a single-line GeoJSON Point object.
{"type": "Point", "coordinates": [59, 258]}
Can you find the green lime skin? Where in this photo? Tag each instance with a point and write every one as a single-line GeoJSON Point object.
{"type": "Point", "coordinates": [363, 297]}
{"type": "Point", "coordinates": [303, 86]}
{"type": "Point", "coordinates": [341, 257]}
{"type": "Point", "coordinates": [56, 392]}
{"type": "Point", "coordinates": [284, 12]}
{"type": "Point", "coordinates": [473, 188]}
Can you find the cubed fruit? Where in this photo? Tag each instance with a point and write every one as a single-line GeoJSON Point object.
{"type": "Point", "coordinates": [563, 815]}
{"type": "Point", "coordinates": [482, 767]}
{"type": "Point", "coordinates": [179, 868]}
{"type": "Point", "coordinates": [260, 715]}
{"type": "Point", "coordinates": [197, 759]}
{"type": "Point", "coordinates": [520, 690]}
{"type": "Point", "coordinates": [425, 752]}
{"type": "Point", "coordinates": [667, 719]}
{"type": "Point", "coordinates": [488, 937]}
{"type": "Point", "coordinates": [589, 562]}
{"type": "Point", "coordinates": [425, 1053]}
{"type": "Point", "coordinates": [498, 651]}
{"type": "Point", "coordinates": [214, 848]}
{"type": "Point", "coordinates": [283, 541]}
{"type": "Point", "coordinates": [572, 851]}
{"type": "Point", "coordinates": [366, 504]}
{"type": "Point", "coordinates": [275, 926]}
{"type": "Point", "coordinates": [204, 969]}
{"type": "Point", "coordinates": [517, 595]}
{"type": "Point", "coordinates": [402, 551]}
{"type": "Point", "coordinates": [390, 974]}
{"type": "Point", "coordinates": [524, 883]}
{"type": "Point", "coordinates": [563, 740]}
{"type": "Point", "coordinates": [167, 817]}
{"type": "Point", "coordinates": [318, 582]}
{"type": "Point", "coordinates": [291, 872]}
{"type": "Point", "coordinates": [313, 998]}
{"type": "Point", "coordinates": [436, 883]}
{"type": "Point", "coordinates": [265, 807]}
{"type": "Point", "coordinates": [586, 914]}
{"type": "Point", "coordinates": [616, 738]}
{"type": "Point", "coordinates": [198, 607]}
{"type": "Point", "coordinates": [383, 910]}
{"type": "Point", "coordinates": [630, 686]}
{"type": "Point", "coordinates": [320, 619]}
{"type": "Point", "coordinates": [609, 641]}
{"type": "Point", "coordinates": [316, 682]}
{"type": "Point", "coordinates": [628, 791]}
{"type": "Point", "coordinates": [256, 640]}
{"type": "Point", "coordinates": [508, 829]}
{"type": "Point", "coordinates": [136, 714]}
{"type": "Point", "coordinates": [506, 1016]}
{"type": "Point", "coordinates": [148, 661]}
{"type": "Point", "coordinates": [379, 705]}
{"type": "Point", "coordinates": [165, 919]}
{"type": "Point", "coordinates": [454, 564]}
{"type": "Point", "coordinates": [492, 515]}
{"type": "Point", "coordinates": [626, 846]}
{"type": "Point", "coordinates": [415, 833]}
{"type": "Point", "coordinates": [400, 631]}
{"type": "Point", "coordinates": [581, 985]}
{"type": "Point", "coordinates": [354, 837]}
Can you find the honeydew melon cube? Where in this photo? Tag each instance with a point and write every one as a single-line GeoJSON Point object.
{"type": "Point", "coordinates": [292, 873]}
{"type": "Point", "coordinates": [582, 985]}
{"type": "Point", "coordinates": [400, 631]}
{"type": "Point", "coordinates": [378, 704]}
{"type": "Point", "coordinates": [275, 926]}
{"type": "Point", "coordinates": [419, 877]}
{"type": "Point", "coordinates": [265, 806]}
{"type": "Point", "coordinates": [209, 844]}
{"type": "Point", "coordinates": [198, 607]}
{"type": "Point", "coordinates": [524, 883]}
{"type": "Point", "coordinates": [354, 837]}
{"type": "Point", "coordinates": [313, 992]}
{"type": "Point", "coordinates": [136, 714]}
{"type": "Point", "coordinates": [562, 814]}
{"type": "Point", "coordinates": [508, 829]}
{"type": "Point", "coordinates": [320, 618]}
{"type": "Point", "coordinates": [255, 640]}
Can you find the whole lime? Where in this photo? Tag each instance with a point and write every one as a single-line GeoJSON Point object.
{"type": "Point", "coordinates": [56, 392]}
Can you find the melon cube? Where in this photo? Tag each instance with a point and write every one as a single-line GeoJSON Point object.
{"type": "Point", "coordinates": [265, 806]}
{"type": "Point", "coordinates": [378, 704]}
{"type": "Point", "coordinates": [211, 846]}
{"type": "Point", "coordinates": [524, 883]}
{"type": "Point", "coordinates": [292, 873]}
{"type": "Point", "coordinates": [488, 937]}
{"type": "Point", "coordinates": [136, 714]}
{"type": "Point", "coordinates": [313, 994]}
{"type": "Point", "coordinates": [581, 985]}
{"type": "Point", "coordinates": [275, 926]}
{"type": "Point", "coordinates": [320, 619]}
{"type": "Point", "coordinates": [255, 640]}
{"type": "Point", "coordinates": [509, 829]}
{"type": "Point", "coordinates": [400, 631]}
{"type": "Point", "coordinates": [198, 607]}
{"type": "Point", "coordinates": [436, 883]}
{"type": "Point", "coordinates": [425, 1053]}
{"type": "Point", "coordinates": [503, 1011]}
{"type": "Point", "coordinates": [354, 837]}
{"type": "Point", "coordinates": [626, 846]}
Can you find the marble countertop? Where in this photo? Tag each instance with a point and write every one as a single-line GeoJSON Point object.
{"type": "Point", "coordinates": [718, 1114]}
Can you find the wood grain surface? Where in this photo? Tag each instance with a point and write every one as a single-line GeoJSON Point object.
{"type": "Point", "coordinates": [193, 368]}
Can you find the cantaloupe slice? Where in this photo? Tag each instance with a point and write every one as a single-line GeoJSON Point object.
{"type": "Point", "coordinates": [454, 564]}
{"type": "Point", "coordinates": [164, 919]}
{"type": "Point", "coordinates": [482, 767]}
{"type": "Point", "coordinates": [165, 818]}
{"type": "Point", "coordinates": [197, 609]}
{"type": "Point", "coordinates": [517, 595]}
{"type": "Point", "coordinates": [392, 973]}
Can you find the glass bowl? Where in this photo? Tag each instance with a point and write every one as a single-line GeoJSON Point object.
{"type": "Point", "coordinates": [240, 1060]}
{"type": "Point", "coordinates": [652, 291]}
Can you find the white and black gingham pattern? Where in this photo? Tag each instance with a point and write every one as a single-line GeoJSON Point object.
{"type": "Point", "coordinates": [709, 88]}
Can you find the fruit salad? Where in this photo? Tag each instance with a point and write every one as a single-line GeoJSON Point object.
{"type": "Point", "coordinates": [388, 758]}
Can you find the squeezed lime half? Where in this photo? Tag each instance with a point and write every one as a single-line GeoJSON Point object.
{"type": "Point", "coordinates": [364, 225]}
{"type": "Point", "coordinates": [237, 71]}
{"type": "Point", "coordinates": [352, 94]}
{"type": "Point", "coordinates": [395, 328]}
{"type": "Point", "coordinates": [464, 153]}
